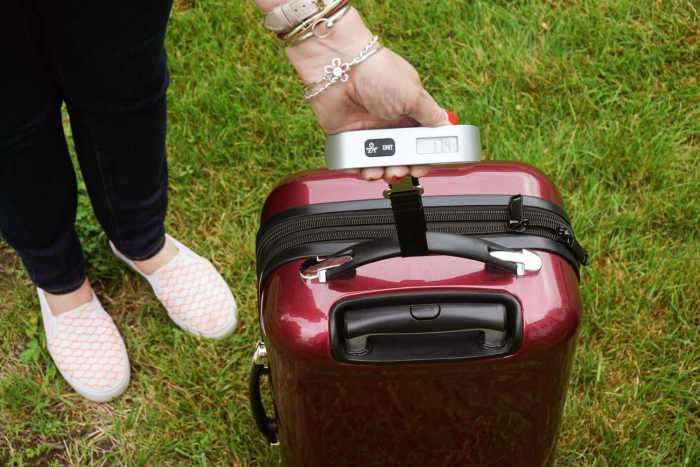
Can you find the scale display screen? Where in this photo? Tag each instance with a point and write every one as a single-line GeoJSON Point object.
{"type": "Point", "coordinates": [387, 147]}
{"type": "Point", "coordinates": [441, 145]}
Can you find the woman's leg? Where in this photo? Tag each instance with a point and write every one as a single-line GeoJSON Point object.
{"type": "Point", "coordinates": [111, 63]}
{"type": "Point", "coordinates": [38, 200]}
{"type": "Point", "coordinates": [38, 193]}
{"type": "Point", "coordinates": [111, 60]}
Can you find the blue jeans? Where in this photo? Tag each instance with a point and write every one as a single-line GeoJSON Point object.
{"type": "Point", "coordinates": [106, 60]}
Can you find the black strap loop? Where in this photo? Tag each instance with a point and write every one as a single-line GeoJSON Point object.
{"type": "Point", "coordinates": [407, 204]}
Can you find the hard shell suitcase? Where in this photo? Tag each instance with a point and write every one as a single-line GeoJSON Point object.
{"type": "Point", "coordinates": [458, 357]}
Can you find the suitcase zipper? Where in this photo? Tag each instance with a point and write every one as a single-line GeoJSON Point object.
{"type": "Point", "coordinates": [318, 221]}
{"type": "Point", "coordinates": [498, 220]}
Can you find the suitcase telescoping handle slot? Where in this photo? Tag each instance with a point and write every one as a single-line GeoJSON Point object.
{"type": "Point", "coordinates": [494, 256]}
{"type": "Point", "coordinates": [409, 320]}
{"type": "Point", "coordinates": [258, 369]}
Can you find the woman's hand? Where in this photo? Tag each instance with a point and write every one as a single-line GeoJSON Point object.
{"type": "Point", "coordinates": [382, 92]}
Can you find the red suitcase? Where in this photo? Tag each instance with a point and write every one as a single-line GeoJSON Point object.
{"type": "Point", "coordinates": [457, 358]}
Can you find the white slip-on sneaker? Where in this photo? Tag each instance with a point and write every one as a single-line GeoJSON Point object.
{"type": "Point", "coordinates": [194, 294]}
{"type": "Point", "coordinates": [87, 349]}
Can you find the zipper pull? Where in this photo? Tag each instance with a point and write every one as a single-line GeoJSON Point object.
{"type": "Point", "coordinates": [517, 221]}
{"type": "Point", "coordinates": [567, 237]}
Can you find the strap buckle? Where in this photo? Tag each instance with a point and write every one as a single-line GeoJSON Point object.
{"type": "Point", "coordinates": [407, 183]}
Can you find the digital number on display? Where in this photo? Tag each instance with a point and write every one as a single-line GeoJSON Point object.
{"type": "Point", "coordinates": [436, 145]}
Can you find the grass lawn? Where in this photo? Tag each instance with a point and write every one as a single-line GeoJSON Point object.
{"type": "Point", "coordinates": [604, 96]}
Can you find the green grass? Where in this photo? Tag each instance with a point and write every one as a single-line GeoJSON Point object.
{"type": "Point", "coordinates": [605, 99]}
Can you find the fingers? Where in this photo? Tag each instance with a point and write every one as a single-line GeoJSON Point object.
{"type": "Point", "coordinates": [426, 111]}
{"type": "Point", "coordinates": [374, 173]}
{"type": "Point", "coordinates": [418, 171]}
{"type": "Point", "coordinates": [393, 174]}
{"type": "Point", "coordinates": [390, 174]}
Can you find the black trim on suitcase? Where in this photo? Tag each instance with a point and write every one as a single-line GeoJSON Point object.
{"type": "Point", "coordinates": [473, 218]}
{"type": "Point", "coordinates": [324, 229]}
{"type": "Point", "coordinates": [428, 202]}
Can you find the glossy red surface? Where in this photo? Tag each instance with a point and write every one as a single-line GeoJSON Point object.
{"type": "Point", "coordinates": [483, 178]}
{"type": "Point", "coordinates": [499, 412]}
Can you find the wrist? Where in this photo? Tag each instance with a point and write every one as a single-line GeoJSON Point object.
{"type": "Point", "coordinates": [349, 36]}
{"type": "Point", "coordinates": [268, 5]}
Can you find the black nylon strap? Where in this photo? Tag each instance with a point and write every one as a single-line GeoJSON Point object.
{"type": "Point", "coordinates": [410, 221]}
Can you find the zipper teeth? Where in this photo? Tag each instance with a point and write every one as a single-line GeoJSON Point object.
{"type": "Point", "coordinates": [327, 236]}
{"type": "Point", "coordinates": [552, 222]}
{"type": "Point", "coordinates": [536, 219]}
{"type": "Point", "coordinates": [471, 230]}
{"type": "Point", "coordinates": [327, 221]}
{"type": "Point", "coordinates": [454, 216]}
{"type": "Point", "coordinates": [291, 227]}
{"type": "Point", "coordinates": [375, 233]}
{"type": "Point", "coordinates": [314, 222]}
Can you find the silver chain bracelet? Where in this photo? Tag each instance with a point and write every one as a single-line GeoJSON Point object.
{"type": "Point", "coordinates": [338, 71]}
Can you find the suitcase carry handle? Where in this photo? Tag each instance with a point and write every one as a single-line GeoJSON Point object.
{"type": "Point", "coordinates": [259, 368]}
{"type": "Point", "coordinates": [430, 326]}
{"type": "Point", "coordinates": [490, 318]}
{"type": "Point", "coordinates": [438, 243]}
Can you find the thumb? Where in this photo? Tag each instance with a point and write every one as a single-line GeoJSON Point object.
{"type": "Point", "coordinates": [426, 111]}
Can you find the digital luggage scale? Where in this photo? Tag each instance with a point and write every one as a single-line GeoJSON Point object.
{"type": "Point", "coordinates": [362, 149]}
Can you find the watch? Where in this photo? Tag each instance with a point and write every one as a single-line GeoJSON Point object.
{"type": "Point", "coordinates": [291, 14]}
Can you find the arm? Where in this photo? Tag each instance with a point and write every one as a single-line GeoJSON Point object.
{"type": "Point", "coordinates": [384, 91]}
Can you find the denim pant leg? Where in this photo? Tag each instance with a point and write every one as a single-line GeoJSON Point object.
{"type": "Point", "coordinates": [111, 62]}
{"type": "Point", "coordinates": [38, 193]}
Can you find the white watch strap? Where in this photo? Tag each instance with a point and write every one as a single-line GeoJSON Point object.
{"type": "Point", "coordinates": [289, 15]}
